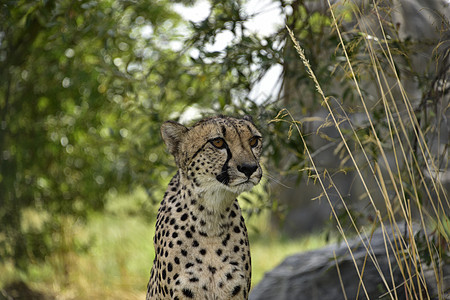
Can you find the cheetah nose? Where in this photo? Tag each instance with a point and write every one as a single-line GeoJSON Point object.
{"type": "Point", "coordinates": [247, 169]}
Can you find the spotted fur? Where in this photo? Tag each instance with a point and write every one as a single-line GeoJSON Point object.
{"type": "Point", "coordinates": [201, 244]}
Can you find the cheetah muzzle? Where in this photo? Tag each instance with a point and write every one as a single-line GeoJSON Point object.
{"type": "Point", "coordinates": [201, 243]}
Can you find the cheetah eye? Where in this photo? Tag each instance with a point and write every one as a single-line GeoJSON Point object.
{"type": "Point", "coordinates": [219, 143]}
{"type": "Point", "coordinates": [254, 141]}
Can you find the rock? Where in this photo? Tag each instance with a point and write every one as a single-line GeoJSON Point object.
{"type": "Point", "coordinates": [313, 275]}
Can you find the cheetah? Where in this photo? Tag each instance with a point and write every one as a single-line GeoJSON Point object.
{"type": "Point", "coordinates": [201, 242]}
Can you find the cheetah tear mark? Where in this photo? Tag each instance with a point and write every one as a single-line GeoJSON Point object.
{"type": "Point", "coordinates": [223, 176]}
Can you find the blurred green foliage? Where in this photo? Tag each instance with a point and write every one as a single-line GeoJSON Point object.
{"type": "Point", "coordinates": [84, 87]}
{"type": "Point", "coordinates": [78, 116]}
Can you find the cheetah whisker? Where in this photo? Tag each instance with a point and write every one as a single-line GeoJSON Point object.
{"type": "Point", "coordinates": [272, 178]}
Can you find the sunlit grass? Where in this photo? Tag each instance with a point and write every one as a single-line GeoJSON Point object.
{"type": "Point", "coordinates": [119, 253]}
{"type": "Point", "coordinates": [269, 251]}
{"type": "Point", "coordinates": [114, 267]}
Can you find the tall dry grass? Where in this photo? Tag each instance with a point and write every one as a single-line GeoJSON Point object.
{"type": "Point", "coordinates": [407, 172]}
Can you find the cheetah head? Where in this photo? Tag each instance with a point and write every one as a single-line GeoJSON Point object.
{"type": "Point", "coordinates": [218, 153]}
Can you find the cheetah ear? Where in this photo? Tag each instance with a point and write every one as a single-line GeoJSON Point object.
{"type": "Point", "coordinates": [172, 133]}
{"type": "Point", "coordinates": [248, 118]}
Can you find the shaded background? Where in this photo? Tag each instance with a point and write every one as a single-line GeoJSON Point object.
{"type": "Point", "coordinates": [85, 85]}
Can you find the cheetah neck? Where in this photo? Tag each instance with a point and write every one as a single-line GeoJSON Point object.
{"type": "Point", "coordinates": [217, 206]}
{"type": "Point", "coordinates": [217, 201]}
{"type": "Point", "coordinates": [211, 205]}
